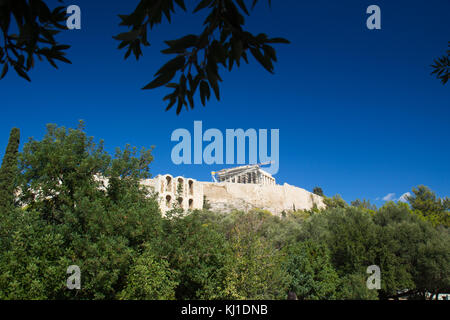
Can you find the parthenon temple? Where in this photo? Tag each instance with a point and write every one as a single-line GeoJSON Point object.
{"type": "Point", "coordinates": [250, 174]}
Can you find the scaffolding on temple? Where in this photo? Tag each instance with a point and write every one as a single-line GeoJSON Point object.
{"type": "Point", "coordinates": [252, 174]}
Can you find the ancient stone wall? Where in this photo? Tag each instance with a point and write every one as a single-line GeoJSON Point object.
{"type": "Point", "coordinates": [172, 191]}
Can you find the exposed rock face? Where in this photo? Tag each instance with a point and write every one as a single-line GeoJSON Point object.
{"type": "Point", "coordinates": [225, 197]}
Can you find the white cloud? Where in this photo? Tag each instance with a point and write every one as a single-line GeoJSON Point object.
{"type": "Point", "coordinates": [404, 196]}
{"type": "Point", "coordinates": [389, 197]}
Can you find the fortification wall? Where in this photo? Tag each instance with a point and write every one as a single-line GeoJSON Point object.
{"type": "Point", "coordinates": [225, 197]}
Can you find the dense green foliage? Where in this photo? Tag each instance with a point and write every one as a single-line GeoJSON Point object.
{"type": "Point", "coordinates": [149, 278]}
{"type": "Point", "coordinates": [312, 276]}
{"type": "Point", "coordinates": [426, 205]}
{"type": "Point", "coordinates": [68, 214]}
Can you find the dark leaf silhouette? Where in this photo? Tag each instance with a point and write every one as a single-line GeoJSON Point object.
{"type": "Point", "coordinates": [441, 67]}
{"type": "Point", "coordinates": [37, 25]}
{"type": "Point", "coordinates": [222, 42]}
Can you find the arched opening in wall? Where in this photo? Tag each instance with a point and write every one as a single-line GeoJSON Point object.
{"type": "Point", "coordinates": [168, 201]}
{"type": "Point", "coordinates": [168, 184]}
{"type": "Point", "coordinates": [191, 187]}
{"type": "Point", "coordinates": [180, 186]}
{"type": "Point", "coordinates": [191, 204]}
{"type": "Point", "coordinates": [180, 202]}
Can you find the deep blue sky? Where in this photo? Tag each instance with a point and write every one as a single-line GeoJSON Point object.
{"type": "Point", "coordinates": [358, 112]}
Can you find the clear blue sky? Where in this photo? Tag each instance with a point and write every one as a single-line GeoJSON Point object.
{"type": "Point", "coordinates": [358, 112]}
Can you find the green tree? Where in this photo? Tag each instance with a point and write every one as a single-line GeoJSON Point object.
{"type": "Point", "coordinates": [312, 274]}
{"type": "Point", "coordinates": [427, 205]}
{"type": "Point", "coordinates": [64, 187]}
{"type": "Point", "coordinates": [33, 260]}
{"type": "Point", "coordinates": [411, 253]}
{"type": "Point", "coordinates": [150, 279]}
{"type": "Point", "coordinates": [365, 204]}
{"type": "Point", "coordinates": [318, 191]}
{"type": "Point", "coordinates": [350, 235]}
{"type": "Point", "coordinates": [254, 269]}
{"type": "Point", "coordinates": [197, 252]}
{"type": "Point", "coordinates": [353, 287]}
{"type": "Point", "coordinates": [399, 233]}
{"type": "Point", "coordinates": [432, 273]}
{"type": "Point", "coordinates": [8, 171]}
{"type": "Point", "coordinates": [335, 202]}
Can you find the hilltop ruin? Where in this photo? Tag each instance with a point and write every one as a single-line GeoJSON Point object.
{"type": "Point", "coordinates": [241, 188]}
